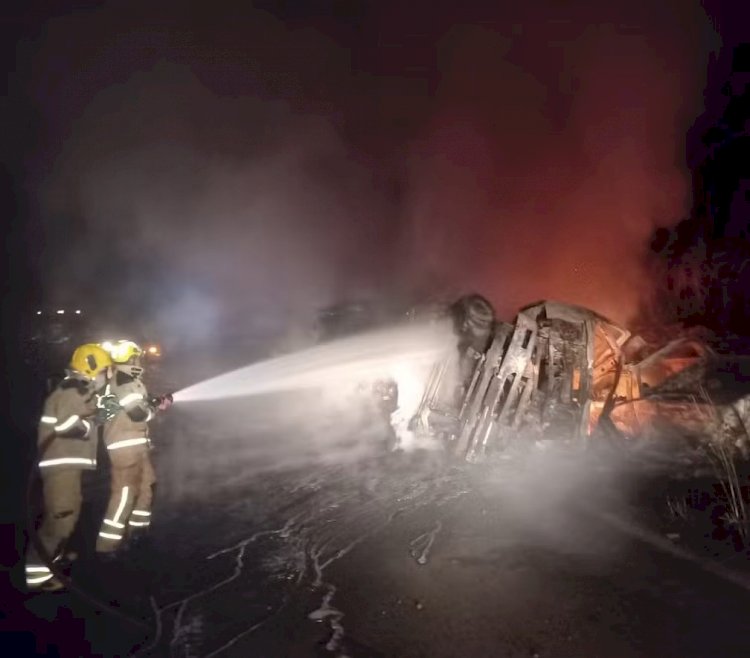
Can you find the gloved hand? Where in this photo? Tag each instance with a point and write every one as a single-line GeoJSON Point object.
{"type": "Point", "coordinates": [107, 407]}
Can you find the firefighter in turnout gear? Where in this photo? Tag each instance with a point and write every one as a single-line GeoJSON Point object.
{"type": "Point", "coordinates": [128, 445]}
{"type": "Point", "coordinates": [67, 443]}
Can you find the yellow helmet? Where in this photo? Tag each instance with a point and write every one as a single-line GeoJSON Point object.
{"type": "Point", "coordinates": [122, 351]}
{"type": "Point", "coordinates": [89, 360]}
{"type": "Point", "coordinates": [126, 356]}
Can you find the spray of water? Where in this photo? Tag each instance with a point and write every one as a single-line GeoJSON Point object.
{"type": "Point", "coordinates": [403, 353]}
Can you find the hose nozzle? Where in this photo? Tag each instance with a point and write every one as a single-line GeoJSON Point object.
{"type": "Point", "coordinates": [162, 402]}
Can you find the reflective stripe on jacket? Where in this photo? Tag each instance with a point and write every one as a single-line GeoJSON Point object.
{"type": "Point", "coordinates": [65, 438]}
{"type": "Point", "coordinates": [127, 432]}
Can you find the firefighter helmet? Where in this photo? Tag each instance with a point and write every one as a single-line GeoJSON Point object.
{"type": "Point", "coordinates": [90, 360]}
{"type": "Point", "coordinates": [126, 356]}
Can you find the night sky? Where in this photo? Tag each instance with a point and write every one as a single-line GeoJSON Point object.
{"type": "Point", "coordinates": [236, 163]}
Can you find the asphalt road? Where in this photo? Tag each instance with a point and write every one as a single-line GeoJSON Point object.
{"type": "Point", "coordinates": [283, 530]}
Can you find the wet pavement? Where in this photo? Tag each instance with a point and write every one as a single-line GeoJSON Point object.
{"type": "Point", "coordinates": [282, 532]}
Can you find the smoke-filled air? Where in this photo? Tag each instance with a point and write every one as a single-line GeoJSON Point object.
{"type": "Point", "coordinates": [256, 172]}
{"type": "Point", "coordinates": [362, 328]}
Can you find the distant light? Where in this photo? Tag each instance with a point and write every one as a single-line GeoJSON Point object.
{"type": "Point", "coordinates": [38, 312]}
{"type": "Point", "coordinates": [152, 349]}
{"type": "Point", "coordinates": [60, 311]}
{"type": "Point", "coordinates": [78, 311]}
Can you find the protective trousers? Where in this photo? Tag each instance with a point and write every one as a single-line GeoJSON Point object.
{"type": "Point", "coordinates": [131, 494]}
{"type": "Point", "coordinates": [61, 490]}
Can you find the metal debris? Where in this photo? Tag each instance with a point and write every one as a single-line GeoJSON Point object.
{"type": "Point", "coordinates": [565, 373]}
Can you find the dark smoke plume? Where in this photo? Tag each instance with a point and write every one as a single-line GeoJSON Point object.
{"type": "Point", "coordinates": [246, 168]}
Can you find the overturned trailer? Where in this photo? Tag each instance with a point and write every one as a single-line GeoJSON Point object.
{"type": "Point", "coordinates": [557, 372]}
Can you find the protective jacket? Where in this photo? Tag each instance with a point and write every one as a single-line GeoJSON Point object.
{"type": "Point", "coordinates": [127, 432]}
{"type": "Point", "coordinates": [65, 439]}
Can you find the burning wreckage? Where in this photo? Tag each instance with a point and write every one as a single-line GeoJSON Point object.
{"type": "Point", "coordinates": [562, 372]}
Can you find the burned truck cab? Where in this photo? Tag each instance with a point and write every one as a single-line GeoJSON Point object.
{"type": "Point", "coordinates": [559, 373]}
{"type": "Point", "coordinates": [538, 378]}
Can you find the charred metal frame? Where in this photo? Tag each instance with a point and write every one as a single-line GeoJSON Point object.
{"type": "Point", "coordinates": [537, 379]}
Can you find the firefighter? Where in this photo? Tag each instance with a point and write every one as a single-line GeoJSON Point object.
{"type": "Point", "coordinates": [67, 443]}
{"type": "Point", "coordinates": [126, 437]}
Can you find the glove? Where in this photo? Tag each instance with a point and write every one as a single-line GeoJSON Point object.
{"type": "Point", "coordinates": [107, 407]}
